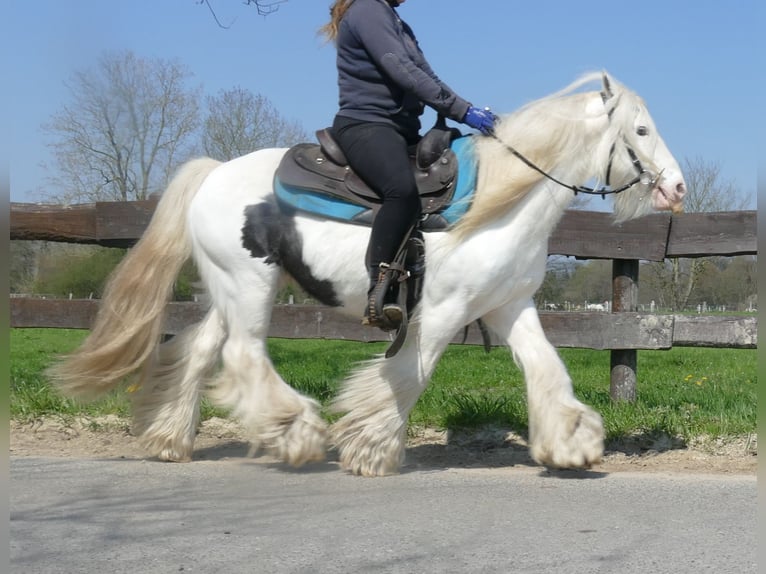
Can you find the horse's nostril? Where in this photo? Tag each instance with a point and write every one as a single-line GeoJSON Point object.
{"type": "Point", "coordinates": [681, 189]}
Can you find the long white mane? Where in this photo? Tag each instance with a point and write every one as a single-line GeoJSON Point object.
{"type": "Point", "coordinates": [549, 133]}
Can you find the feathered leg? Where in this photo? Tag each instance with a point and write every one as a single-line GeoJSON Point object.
{"type": "Point", "coordinates": [563, 432]}
{"type": "Point", "coordinates": [166, 404]}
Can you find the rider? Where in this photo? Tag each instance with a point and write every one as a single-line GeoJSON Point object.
{"type": "Point", "coordinates": [384, 81]}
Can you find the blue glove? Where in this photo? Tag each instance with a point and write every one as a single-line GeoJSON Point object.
{"type": "Point", "coordinates": [482, 120]}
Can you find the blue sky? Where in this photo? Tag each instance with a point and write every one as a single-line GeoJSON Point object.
{"type": "Point", "coordinates": [693, 61]}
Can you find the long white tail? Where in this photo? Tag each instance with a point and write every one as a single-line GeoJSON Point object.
{"type": "Point", "coordinates": [128, 326]}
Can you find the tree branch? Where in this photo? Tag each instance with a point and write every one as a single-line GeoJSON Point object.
{"type": "Point", "coordinates": [264, 7]}
{"type": "Point", "coordinates": [215, 16]}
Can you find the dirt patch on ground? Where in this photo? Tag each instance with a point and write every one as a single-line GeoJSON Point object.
{"type": "Point", "coordinates": [221, 439]}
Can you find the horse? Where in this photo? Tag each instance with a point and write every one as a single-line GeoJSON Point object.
{"type": "Point", "coordinates": [487, 266]}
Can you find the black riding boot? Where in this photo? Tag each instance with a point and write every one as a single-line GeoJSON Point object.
{"type": "Point", "coordinates": [382, 309]}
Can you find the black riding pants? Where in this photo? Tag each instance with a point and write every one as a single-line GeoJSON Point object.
{"type": "Point", "coordinates": [378, 154]}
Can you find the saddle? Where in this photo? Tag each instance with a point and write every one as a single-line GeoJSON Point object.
{"type": "Point", "coordinates": [323, 169]}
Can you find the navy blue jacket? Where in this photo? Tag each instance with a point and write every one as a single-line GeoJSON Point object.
{"type": "Point", "coordinates": [383, 75]}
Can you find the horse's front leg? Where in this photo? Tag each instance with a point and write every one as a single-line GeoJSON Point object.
{"type": "Point", "coordinates": [377, 400]}
{"type": "Point", "coordinates": [563, 432]}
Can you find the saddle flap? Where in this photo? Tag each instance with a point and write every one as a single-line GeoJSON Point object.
{"type": "Point", "coordinates": [304, 166]}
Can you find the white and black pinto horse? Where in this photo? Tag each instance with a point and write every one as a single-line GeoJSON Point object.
{"type": "Point", "coordinates": [487, 267]}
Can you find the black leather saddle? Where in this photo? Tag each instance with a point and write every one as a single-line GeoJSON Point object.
{"type": "Point", "coordinates": [323, 168]}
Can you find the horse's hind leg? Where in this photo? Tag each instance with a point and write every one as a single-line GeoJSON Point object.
{"type": "Point", "coordinates": [279, 419]}
{"type": "Point", "coordinates": [166, 404]}
{"type": "Point", "coordinates": [563, 432]}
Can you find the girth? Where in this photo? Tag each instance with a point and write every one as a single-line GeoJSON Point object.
{"type": "Point", "coordinates": [322, 168]}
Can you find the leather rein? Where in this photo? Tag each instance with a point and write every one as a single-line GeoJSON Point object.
{"type": "Point", "coordinates": [643, 176]}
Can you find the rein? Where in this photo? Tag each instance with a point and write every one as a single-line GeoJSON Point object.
{"type": "Point", "coordinates": [644, 176]}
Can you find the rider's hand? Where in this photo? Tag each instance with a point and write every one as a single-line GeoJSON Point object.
{"type": "Point", "coordinates": [480, 119]}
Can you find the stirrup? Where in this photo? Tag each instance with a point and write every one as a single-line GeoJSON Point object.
{"type": "Point", "coordinates": [387, 316]}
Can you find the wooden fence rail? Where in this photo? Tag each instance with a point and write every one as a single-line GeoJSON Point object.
{"type": "Point", "coordinates": [590, 330]}
{"type": "Point", "coordinates": [581, 234]}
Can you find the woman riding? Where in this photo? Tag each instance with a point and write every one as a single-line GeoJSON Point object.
{"type": "Point", "coordinates": [384, 84]}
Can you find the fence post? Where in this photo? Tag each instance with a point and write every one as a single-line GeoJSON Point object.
{"type": "Point", "coordinates": [622, 385]}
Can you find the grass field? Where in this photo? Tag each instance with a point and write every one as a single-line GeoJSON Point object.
{"type": "Point", "coordinates": [684, 392]}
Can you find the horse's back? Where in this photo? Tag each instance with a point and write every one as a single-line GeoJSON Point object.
{"type": "Point", "coordinates": [219, 205]}
{"type": "Point", "coordinates": [245, 179]}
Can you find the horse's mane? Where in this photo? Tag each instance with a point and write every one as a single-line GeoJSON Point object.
{"type": "Point", "coordinates": [548, 133]}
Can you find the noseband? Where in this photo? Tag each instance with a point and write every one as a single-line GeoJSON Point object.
{"type": "Point", "coordinates": [644, 176]}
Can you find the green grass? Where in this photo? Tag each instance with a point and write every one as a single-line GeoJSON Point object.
{"type": "Point", "coordinates": [684, 392]}
{"type": "Point", "coordinates": [32, 350]}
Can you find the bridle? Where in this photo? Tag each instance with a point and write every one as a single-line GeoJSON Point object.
{"type": "Point", "coordinates": [644, 176]}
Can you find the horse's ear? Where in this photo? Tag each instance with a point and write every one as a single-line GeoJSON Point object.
{"type": "Point", "coordinates": [606, 92]}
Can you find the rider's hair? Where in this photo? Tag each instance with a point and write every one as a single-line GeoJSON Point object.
{"type": "Point", "coordinates": [337, 10]}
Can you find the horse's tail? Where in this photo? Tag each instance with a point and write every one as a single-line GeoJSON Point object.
{"type": "Point", "coordinates": [128, 326]}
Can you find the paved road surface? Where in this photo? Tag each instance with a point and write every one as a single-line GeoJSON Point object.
{"type": "Point", "coordinates": [145, 517]}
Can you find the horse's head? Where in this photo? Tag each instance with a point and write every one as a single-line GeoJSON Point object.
{"type": "Point", "coordinates": [567, 139]}
{"type": "Point", "coordinates": [638, 152]}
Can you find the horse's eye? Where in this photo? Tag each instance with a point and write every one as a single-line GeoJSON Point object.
{"type": "Point", "coordinates": [642, 131]}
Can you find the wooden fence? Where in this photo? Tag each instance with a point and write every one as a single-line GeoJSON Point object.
{"type": "Point", "coordinates": [585, 235]}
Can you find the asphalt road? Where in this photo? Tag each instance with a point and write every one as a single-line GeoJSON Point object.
{"type": "Point", "coordinates": [143, 517]}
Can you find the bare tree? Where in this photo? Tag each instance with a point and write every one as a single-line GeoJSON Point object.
{"type": "Point", "coordinates": [22, 265]}
{"type": "Point", "coordinates": [675, 278]}
{"type": "Point", "coordinates": [708, 191]}
{"type": "Point", "coordinates": [239, 122]}
{"type": "Point", "coordinates": [730, 282]}
{"type": "Point", "coordinates": [590, 282]}
{"type": "Point", "coordinates": [129, 123]}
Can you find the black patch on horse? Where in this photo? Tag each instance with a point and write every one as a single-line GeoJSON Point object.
{"type": "Point", "coordinates": [270, 234]}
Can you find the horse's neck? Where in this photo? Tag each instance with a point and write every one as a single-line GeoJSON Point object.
{"type": "Point", "coordinates": [563, 137]}
{"type": "Point", "coordinates": [536, 215]}
{"type": "Point", "coordinates": [574, 147]}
